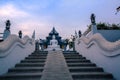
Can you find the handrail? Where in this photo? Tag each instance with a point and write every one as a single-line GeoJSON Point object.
{"type": "Point", "coordinates": [13, 40]}
{"type": "Point", "coordinates": [112, 47]}
{"type": "Point", "coordinates": [1, 36]}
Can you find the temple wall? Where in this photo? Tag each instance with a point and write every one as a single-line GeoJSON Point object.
{"type": "Point", "coordinates": [14, 49]}
{"type": "Point", "coordinates": [110, 35]}
{"type": "Point", "coordinates": [102, 52]}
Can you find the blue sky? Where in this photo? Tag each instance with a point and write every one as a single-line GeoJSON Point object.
{"type": "Point", "coordinates": [65, 15]}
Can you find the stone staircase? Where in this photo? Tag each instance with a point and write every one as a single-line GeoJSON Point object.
{"type": "Point", "coordinates": [30, 68]}
{"type": "Point", "coordinates": [83, 69]}
{"type": "Point", "coordinates": [43, 66]}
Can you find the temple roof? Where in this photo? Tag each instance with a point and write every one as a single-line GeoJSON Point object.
{"type": "Point", "coordinates": [49, 37]}
{"type": "Point", "coordinates": [53, 32]}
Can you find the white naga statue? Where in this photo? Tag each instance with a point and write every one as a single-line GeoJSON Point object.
{"type": "Point", "coordinates": [53, 44]}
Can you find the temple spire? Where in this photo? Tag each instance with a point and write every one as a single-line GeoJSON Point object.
{"type": "Point", "coordinates": [53, 32]}
{"type": "Point", "coordinates": [53, 28]}
{"type": "Point", "coordinates": [33, 35]}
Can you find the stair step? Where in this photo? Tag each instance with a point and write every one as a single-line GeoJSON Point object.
{"type": "Point", "coordinates": [40, 52]}
{"type": "Point", "coordinates": [32, 56]}
{"type": "Point", "coordinates": [70, 52]}
{"type": "Point", "coordinates": [85, 69]}
{"type": "Point", "coordinates": [81, 65]}
{"type": "Point", "coordinates": [74, 56]}
{"type": "Point", "coordinates": [92, 75]}
{"type": "Point", "coordinates": [77, 60]}
{"type": "Point", "coordinates": [41, 55]}
{"type": "Point", "coordinates": [44, 54]}
{"type": "Point", "coordinates": [20, 76]}
{"type": "Point", "coordinates": [29, 65]}
{"type": "Point", "coordinates": [33, 61]}
{"type": "Point", "coordinates": [25, 69]}
{"type": "Point", "coordinates": [35, 57]}
{"type": "Point", "coordinates": [92, 79]}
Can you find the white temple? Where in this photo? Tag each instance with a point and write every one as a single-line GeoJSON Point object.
{"type": "Point", "coordinates": [53, 44]}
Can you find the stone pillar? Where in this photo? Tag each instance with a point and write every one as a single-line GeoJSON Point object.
{"type": "Point", "coordinates": [64, 47]}
{"type": "Point", "coordinates": [36, 45]}
{"type": "Point", "coordinates": [94, 28]}
{"type": "Point", "coordinates": [65, 44]}
{"type": "Point", "coordinates": [7, 30]}
{"type": "Point", "coordinates": [93, 22]}
{"type": "Point", "coordinates": [42, 47]}
{"type": "Point", "coordinates": [79, 33]}
{"type": "Point", "coordinates": [41, 44]}
{"type": "Point", "coordinates": [73, 43]}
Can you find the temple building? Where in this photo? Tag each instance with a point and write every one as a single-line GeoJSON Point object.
{"type": "Point", "coordinates": [62, 43]}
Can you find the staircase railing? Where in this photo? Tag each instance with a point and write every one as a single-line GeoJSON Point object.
{"type": "Point", "coordinates": [1, 37]}
{"type": "Point", "coordinates": [100, 51]}
{"type": "Point", "coordinates": [13, 49]}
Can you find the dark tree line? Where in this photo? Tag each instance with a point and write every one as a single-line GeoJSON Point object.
{"type": "Point", "coordinates": [103, 26]}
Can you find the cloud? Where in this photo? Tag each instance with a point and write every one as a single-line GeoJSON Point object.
{"type": "Point", "coordinates": [22, 20]}
{"type": "Point", "coordinates": [66, 15]}
{"type": "Point", "coordinates": [15, 15]}
{"type": "Point", "coordinates": [10, 11]}
{"type": "Point", "coordinates": [28, 26]}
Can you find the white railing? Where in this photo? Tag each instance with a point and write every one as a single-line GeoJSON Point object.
{"type": "Point", "coordinates": [102, 52]}
{"type": "Point", "coordinates": [1, 36]}
{"type": "Point", "coordinates": [13, 49]}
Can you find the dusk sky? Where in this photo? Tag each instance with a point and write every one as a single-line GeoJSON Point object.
{"type": "Point", "coordinates": [65, 15]}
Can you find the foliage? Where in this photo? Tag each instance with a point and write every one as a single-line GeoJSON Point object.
{"type": "Point", "coordinates": [103, 26]}
{"type": "Point", "coordinates": [107, 26]}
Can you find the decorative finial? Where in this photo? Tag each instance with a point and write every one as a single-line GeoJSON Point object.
{"type": "Point", "coordinates": [20, 34]}
{"type": "Point", "coordinates": [8, 24]}
{"type": "Point", "coordinates": [79, 33]}
{"type": "Point", "coordinates": [92, 18]}
{"type": "Point", "coordinates": [53, 28]}
{"type": "Point", "coordinates": [7, 29]}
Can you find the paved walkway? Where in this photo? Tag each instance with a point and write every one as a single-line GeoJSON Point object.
{"type": "Point", "coordinates": [56, 67]}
